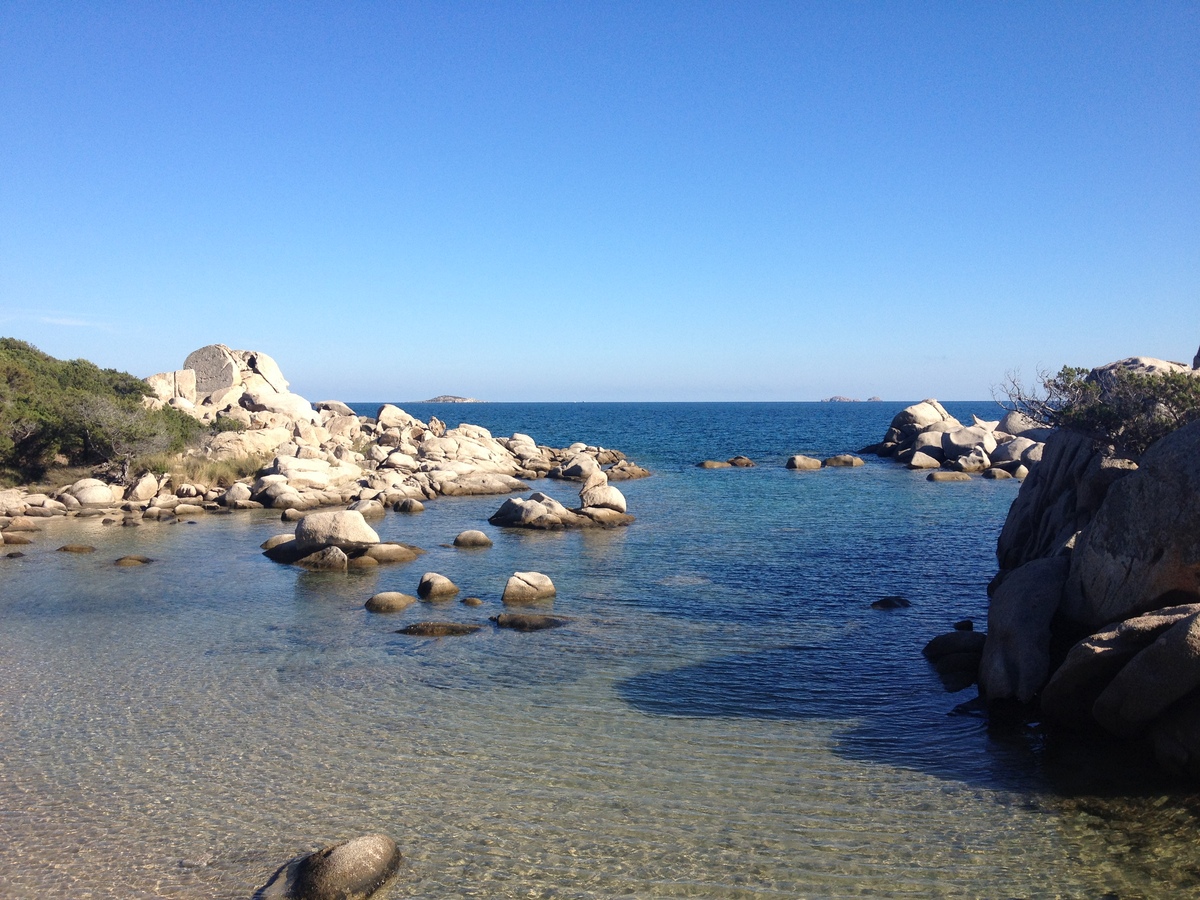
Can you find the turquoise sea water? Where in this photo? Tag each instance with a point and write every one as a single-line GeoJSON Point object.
{"type": "Point", "coordinates": [724, 717]}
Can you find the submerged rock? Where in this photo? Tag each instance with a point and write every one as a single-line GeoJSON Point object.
{"type": "Point", "coordinates": [438, 629]}
{"type": "Point", "coordinates": [351, 870]}
{"type": "Point", "coordinates": [472, 540]}
{"type": "Point", "coordinates": [132, 560]}
{"type": "Point", "coordinates": [389, 601]}
{"type": "Point", "coordinates": [76, 548]}
{"type": "Point", "coordinates": [712, 464]}
{"type": "Point", "coordinates": [528, 621]}
{"type": "Point", "coordinates": [891, 602]}
{"type": "Point", "coordinates": [802, 462]}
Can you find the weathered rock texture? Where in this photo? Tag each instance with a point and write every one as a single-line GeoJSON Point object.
{"type": "Point", "coordinates": [1095, 613]}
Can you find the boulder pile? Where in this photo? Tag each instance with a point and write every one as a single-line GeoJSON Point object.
{"type": "Point", "coordinates": [317, 454]}
{"type": "Point", "coordinates": [600, 504]}
{"type": "Point", "coordinates": [925, 436]}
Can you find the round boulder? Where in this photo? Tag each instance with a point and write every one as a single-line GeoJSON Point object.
{"type": "Point", "coordinates": [76, 548]}
{"type": "Point", "coordinates": [390, 601]}
{"type": "Point", "coordinates": [433, 586]}
{"type": "Point", "coordinates": [472, 540]}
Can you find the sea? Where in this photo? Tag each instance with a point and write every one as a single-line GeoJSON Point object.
{"type": "Point", "coordinates": [724, 716]}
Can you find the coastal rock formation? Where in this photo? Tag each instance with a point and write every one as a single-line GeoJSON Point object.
{"type": "Point", "coordinates": [1095, 612]}
{"type": "Point", "coordinates": [350, 870]}
{"type": "Point", "coordinates": [925, 436]}
{"type": "Point", "coordinates": [323, 455]}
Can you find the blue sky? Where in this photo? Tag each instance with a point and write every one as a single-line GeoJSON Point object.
{"type": "Point", "coordinates": [604, 201]}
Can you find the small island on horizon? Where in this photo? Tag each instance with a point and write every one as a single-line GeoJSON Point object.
{"type": "Point", "coordinates": [841, 399]}
{"type": "Point", "coordinates": [450, 398]}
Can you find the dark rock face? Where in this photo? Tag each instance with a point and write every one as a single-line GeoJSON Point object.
{"type": "Point", "coordinates": [1016, 660]}
{"type": "Point", "coordinates": [351, 870]}
{"type": "Point", "coordinates": [1102, 554]}
{"type": "Point", "coordinates": [1144, 541]}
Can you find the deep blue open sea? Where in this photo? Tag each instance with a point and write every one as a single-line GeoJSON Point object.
{"type": "Point", "coordinates": [724, 717]}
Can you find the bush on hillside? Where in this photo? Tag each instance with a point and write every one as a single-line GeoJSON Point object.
{"type": "Point", "coordinates": [72, 412]}
{"type": "Point", "coordinates": [1127, 412]}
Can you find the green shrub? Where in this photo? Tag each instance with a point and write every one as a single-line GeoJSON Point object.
{"type": "Point", "coordinates": [226, 423]}
{"type": "Point", "coordinates": [75, 413]}
{"type": "Point", "coordinates": [1124, 410]}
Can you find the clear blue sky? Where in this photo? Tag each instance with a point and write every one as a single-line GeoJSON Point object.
{"type": "Point", "coordinates": [604, 201]}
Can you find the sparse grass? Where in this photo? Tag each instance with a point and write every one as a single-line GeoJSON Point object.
{"type": "Point", "coordinates": [192, 469]}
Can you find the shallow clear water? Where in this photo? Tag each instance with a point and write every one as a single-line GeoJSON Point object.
{"type": "Point", "coordinates": [724, 716]}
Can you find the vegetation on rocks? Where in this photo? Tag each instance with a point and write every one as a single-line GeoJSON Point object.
{"type": "Point", "coordinates": [1125, 410]}
{"type": "Point", "coordinates": [72, 412]}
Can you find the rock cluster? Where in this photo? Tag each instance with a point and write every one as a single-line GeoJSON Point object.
{"type": "Point", "coordinates": [1095, 613]}
{"type": "Point", "coordinates": [600, 504]}
{"type": "Point", "coordinates": [320, 454]}
{"type": "Point", "coordinates": [925, 436]}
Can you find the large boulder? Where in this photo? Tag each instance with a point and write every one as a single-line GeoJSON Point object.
{"type": "Point", "coordinates": [1143, 544]}
{"type": "Point", "coordinates": [603, 496]}
{"type": "Point", "coordinates": [93, 492]}
{"type": "Point", "coordinates": [912, 420]}
{"type": "Point", "coordinates": [528, 587]}
{"type": "Point", "coordinates": [215, 367]}
{"type": "Point", "coordinates": [1016, 657]}
{"type": "Point", "coordinates": [1046, 516]}
{"type": "Point", "coordinates": [337, 528]}
{"type": "Point", "coordinates": [254, 442]}
{"type": "Point", "coordinates": [1092, 663]}
{"type": "Point", "coordinates": [962, 441]}
{"type": "Point", "coordinates": [1166, 671]}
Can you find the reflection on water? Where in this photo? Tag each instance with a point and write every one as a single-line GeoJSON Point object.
{"type": "Point", "coordinates": [724, 716]}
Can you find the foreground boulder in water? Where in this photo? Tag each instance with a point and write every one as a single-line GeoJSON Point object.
{"type": "Point", "coordinates": [351, 870]}
{"type": "Point", "coordinates": [472, 540]}
{"type": "Point", "coordinates": [528, 587]}
{"type": "Point", "coordinates": [339, 528]}
{"type": "Point", "coordinates": [434, 585]}
{"type": "Point", "coordinates": [842, 461]}
{"type": "Point", "coordinates": [803, 463]}
{"type": "Point", "coordinates": [389, 601]}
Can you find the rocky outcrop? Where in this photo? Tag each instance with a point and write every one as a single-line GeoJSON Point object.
{"type": "Point", "coordinates": [323, 454]}
{"type": "Point", "coordinates": [925, 436]}
{"type": "Point", "coordinates": [1095, 612]}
